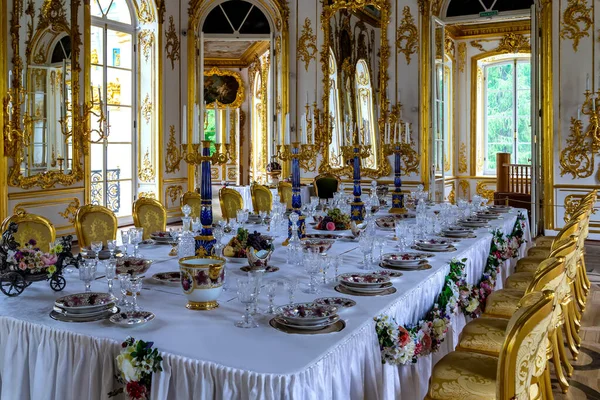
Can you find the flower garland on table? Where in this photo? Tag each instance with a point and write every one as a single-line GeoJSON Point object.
{"type": "Point", "coordinates": [402, 345]}
{"type": "Point", "coordinates": [136, 363]}
{"type": "Point", "coordinates": [31, 260]}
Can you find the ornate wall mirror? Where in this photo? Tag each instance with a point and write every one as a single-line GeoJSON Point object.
{"type": "Point", "coordinates": [41, 107]}
{"type": "Point", "coordinates": [354, 62]}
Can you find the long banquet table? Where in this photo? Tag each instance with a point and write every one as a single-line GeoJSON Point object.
{"type": "Point", "coordinates": [206, 357]}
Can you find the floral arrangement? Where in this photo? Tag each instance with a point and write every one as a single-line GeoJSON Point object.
{"type": "Point", "coordinates": [401, 345]}
{"type": "Point", "coordinates": [136, 363]}
{"type": "Point", "coordinates": [335, 220]}
{"type": "Point", "coordinates": [31, 260]}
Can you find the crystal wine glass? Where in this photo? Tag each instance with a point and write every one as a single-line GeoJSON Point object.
{"type": "Point", "coordinates": [256, 277]}
{"type": "Point", "coordinates": [271, 289]}
{"type": "Point", "coordinates": [112, 247]}
{"type": "Point", "coordinates": [325, 264]}
{"type": "Point", "coordinates": [135, 286]}
{"type": "Point", "coordinates": [123, 286]}
{"type": "Point", "coordinates": [125, 240]}
{"type": "Point", "coordinates": [218, 234]}
{"type": "Point", "coordinates": [263, 217]}
{"type": "Point", "coordinates": [247, 295]}
{"type": "Point", "coordinates": [290, 286]}
{"type": "Point", "coordinates": [365, 243]}
{"type": "Point", "coordinates": [312, 268]}
{"type": "Point", "coordinates": [110, 271]}
{"type": "Point", "coordinates": [87, 273]}
{"type": "Point", "coordinates": [96, 247]}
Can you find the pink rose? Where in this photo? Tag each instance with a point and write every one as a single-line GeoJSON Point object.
{"type": "Point", "coordinates": [330, 226]}
{"type": "Point", "coordinates": [49, 259]}
{"type": "Point", "coordinates": [22, 266]}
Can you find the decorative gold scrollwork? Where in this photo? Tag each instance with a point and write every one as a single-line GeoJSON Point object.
{"type": "Point", "coordinates": [482, 190]}
{"type": "Point", "coordinates": [477, 45]}
{"type": "Point", "coordinates": [146, 171]}
{"type": "Point", "coordinates": [576, 159]}
{"type": "Point", "coordinates": [173, 193]}
{"type": "Point", "coordinates": [452, 195]}
{"type": "Point", "coordinates": [173, 157]}
{"type": "Point", "coordinates": [513, 43]}
{"type": "Point", "coordinates": [70, 211]}
{"type": "Point", "coordinates": [575, 15]}
{"type": "Point", "coordinates": [147, 108]}
{"type": "Point", "coordinates": [52, 13]}
{"type": "Point", "coordinates": [462, 56]}
{"type": "Point", "coordinates": [307, 49]}
{"type": "Point", "coordinates": [571, 203]}
{"type": "Point", "coordinates": [146, 39]}
{"type": "Point", "coordinates": [172, 46]}
{"type": "Point", "coordinates": [464, 187]}
{"type": "Point", "coordinates": [144, 13]}
{"type": "Point", "coordinates": [148, 195]}
{"type": "Point", "coordinates": [407, 35]}
{"type": "Point", "coordinates": [462, 158]}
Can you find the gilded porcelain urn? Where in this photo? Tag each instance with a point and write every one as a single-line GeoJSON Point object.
{"type": "Point", "coordinates": [202, 281]}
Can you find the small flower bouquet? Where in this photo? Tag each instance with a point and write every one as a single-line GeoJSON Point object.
{"type": "Point", "coordinates": [136, 363]}
{"type": "Point", "coordinates": [32, 261]}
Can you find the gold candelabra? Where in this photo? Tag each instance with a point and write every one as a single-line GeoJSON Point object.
{"type": "Point", "coordinates": [591, 108]}
{"type": "Point", "coordinates": [16, 126]}
{"type": "Point", "coordinates": [193, 154]}
{"type": "Point", "coordinates": [304, 153]}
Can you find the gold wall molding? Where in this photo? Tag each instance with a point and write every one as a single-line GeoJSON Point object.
{"type": "Point", "coordinates": [452, 195]}
{"type": "Point", "coordinates": [571, 203]}
{"type": "Point", "coordinates": [576, 22]}
{"type": "Point", "coordinates": [144, 12]}
{"type": "Point", "coordinates": [146, 172]}
{"type": "Point", "coordinates": [52, 12]}
{"type": "Point", "coordinates": [477, 45]}
{"type": "Point", "coordinates": [407, 35]}
{"type": "Point", "coordinates": [149, 195]}
{"type": "Point", "coordinates": [173, 193]}
{"type": "Point", "coordinates": [147, 108]}
{"type": "Point", "coordinates": [24, 205]}
{"type": "Point", "coordinates": [70, 211]}
{"type": "Point", "coordinates": [482, 190]}
{"type": "Point", "coordinates": [307, 49]}
{"type": "Point", "coordinates": [30, 11]}
{"type": "Point", "coordinates": [462, 159]}
{"type": "Point", "coordinates": [173, 157]}
{"type": "Point", "coordinates": [464, 187]}
{"type": "Point", "coordinates": [241, 92]}
{"type": "Point", "coordinates": [513, 43]}
{"type": "Point", "coordinates": [172, 45]}
{"type": "Point", "coordinates": [161, 8]}
{"type": "Point", "coordinates": [462, 56]}
{"type": "Point", "coordinates": [146, 40]}
{"type": "Point", "coordinates": [488, 30]}
{"type": "Point", "coordinates": [450, 48]}
{"type": "Point", "coordinates": [577, 158]}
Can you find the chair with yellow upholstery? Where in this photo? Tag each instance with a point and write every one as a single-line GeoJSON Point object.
{"type": "Point", "coordinates": [262, 198]}
{"type": "Point", "coordinates": [149, 214]}
{"type": "Point", "coordinates": [285, 193]}
{"type": "Point", "coordinates": [193, 200]}
{"type": "Point", "coordinates": [326, 185]}
{"type": "Point", "coordinates": [485, 335]}
{"type": "Point", "coordinates": [231, 201]}
{"type": "Point", "coordinates": [519, 372]}
{"type": "Point", "coordinates": [95, 223]}
{"type": "Point", "coordinates": [31, 226]}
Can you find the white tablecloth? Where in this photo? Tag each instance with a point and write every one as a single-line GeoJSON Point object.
{"type": "Point", "coordinates": [247, 196]}
{"type": "Point", "coordinates": [206, 357]}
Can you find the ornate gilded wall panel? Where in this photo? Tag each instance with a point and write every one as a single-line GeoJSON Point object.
{"type": "Point", "coordinates": [407, 35]}
{"type": "Point", "coordinates": [70, 211]}
{"type": "Point", "coordinates": [462, 159]}
{"type": "Point", "coordinates": [173, 157]}
{"type": "Point", "coordinates": [307, 49]}
{"type": "Point", "coordinates": [482, 190]}
{"type": "Point", "coordinates": [173, 194]}
{"type": "Point", "coordinates": [172, 45]}
{"type": "Point", "coordinates": [576, 22]}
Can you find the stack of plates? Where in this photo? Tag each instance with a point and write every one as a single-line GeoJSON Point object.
{"type": "Point", "coordinates": [457, 231]}
{"type": "Point", "coordinates": [161, 237]}
{"type": "Point", "coordinates": [500, 209]}
{"type": "Point", "coordinates": [473, 222]}
{"type": "Point", "coordinates": [365, 283]}
{"type": "Point", "coordinates": [434, 244]}
{"type": "Point", "coordinates": [84, 307]}
{"type": "Point", "coordinates": [306, 316]}
{"type": "Point", "coordinates": [405, 260]}
{"type": "Point", "coordinates": [487, 215]}
{"type": "Point", "coordinates": [386, 223]}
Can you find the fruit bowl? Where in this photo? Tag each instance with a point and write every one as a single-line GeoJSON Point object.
{"type": "Point", "coordinates": [133, 266]}
{"type": "Point", "coordinates": [317, 245]}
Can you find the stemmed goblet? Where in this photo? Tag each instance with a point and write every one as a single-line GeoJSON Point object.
{"type": "Point", "coordinates": [123, 286]}
{"type": "Point", "coordinates": [271, 288]}
{"type": "Point", "coordinates": [87, 273]}
{"type": "Point", "coordinates": [312, 267]}
{"type": "Point", "coordinates": [110, 272]}
{"type": "Point", "coordinates": [247, 295]}
{"type": "Point", "coordinates": [135, 286]}
{"type": "Point", "coordinates": [96, 247]}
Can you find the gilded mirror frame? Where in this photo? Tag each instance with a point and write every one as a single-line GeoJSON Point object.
{"type": "Point", "coordinates": [52, 17]}
{"type": "Point", "coordinates": [356, 7]}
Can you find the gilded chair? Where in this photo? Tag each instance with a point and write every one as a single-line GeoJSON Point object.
{"type": "Point", "coordinates": [262, 198]}
{"type": "Point", "coordinates": [485, 335]}
{"type": "Point", "coordinates": [326, 185]}
{"type": "Point", "coordinates": [231, 201]}
{"type": "Point", "coordinates": [193, 200]}
{"type": "Point", "coordinates": [95, 223]}
{"type": "Point", "coordinates": [149, 214]}
{"type": "Point", "coordinates": [31, 226]}
{"type": "Point", "coordinates": [285, 193]}
{"type": "Point", "coordinates": [520, 371]}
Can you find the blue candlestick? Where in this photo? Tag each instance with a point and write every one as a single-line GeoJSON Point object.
{"type": "Point", "coordinates": [205, 241]}
{"type": "Point", "coordinates": [296, 197]}
{"type": "Point", "coordinates": [357, 207]}
{"type": "Point", "coordinates": [397, 196]}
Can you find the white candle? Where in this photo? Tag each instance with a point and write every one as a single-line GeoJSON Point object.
{"type": "Point", "coordinates": [287, 129]}
{"type": "Point", "coordinates": [184, 125]}
{"type": "Point", "coordinates": [237, 125]}
{"type": "Point", "coordinates": [587, 82]}
{"type": "Point", "coordinates": [217, 121]}
{"type": "Point", "coordinates": [407, 127]}
{"type": "Point", "coordinates": [579, 114]}
{"type": "Point", "coordinates": [198, 126]}
{"type": "Point", "coordinates": [10, 79]}
{"type": "Point", "coordinates": [107, 125]}
{"type": "Point", "coordinates": [304, 130]}
{"type": "Point", "coordinates": [99, 96]}
{"type": "Point", "coordinates": [314, 123]}
{"type": "Point", "coordinates": [307, 98]}
{"type": "Point", "coordinates": [228, 125]}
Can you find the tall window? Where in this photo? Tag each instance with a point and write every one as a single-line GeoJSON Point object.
{"type": "Point", "coordinates": [364, 107]}
{"type": "Point", "coordinates": [113, 87]}
{"type": "Point", "coordinates": [507, 112]}
{"type": "Point", "coordinates": [335, 156]}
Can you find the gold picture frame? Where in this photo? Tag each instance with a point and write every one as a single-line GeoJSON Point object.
{"type": "Point", "coordinates": [222, 87]}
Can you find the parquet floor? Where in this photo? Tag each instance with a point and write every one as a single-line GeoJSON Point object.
{"type": "Point", "coordinates": [585, 382]}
